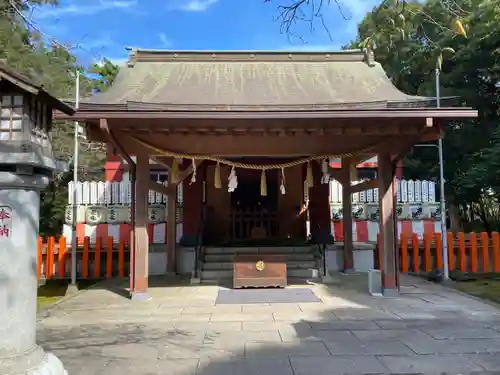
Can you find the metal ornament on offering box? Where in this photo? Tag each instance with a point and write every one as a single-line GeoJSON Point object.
{"type": "Point", "coordinates": [260, 265]}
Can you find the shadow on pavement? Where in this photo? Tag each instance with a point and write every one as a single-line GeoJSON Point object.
{"type": "Point", "coordinates": [426, 330]}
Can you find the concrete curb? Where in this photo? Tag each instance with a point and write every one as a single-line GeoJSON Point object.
{"type": "Point", "coordinates": [451, 285]}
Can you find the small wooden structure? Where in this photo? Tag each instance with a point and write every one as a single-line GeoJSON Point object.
{"type": "Point", "coordinates": [273, 117]}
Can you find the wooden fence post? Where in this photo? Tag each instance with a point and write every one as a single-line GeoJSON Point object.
{"type": "Point", "coordinates": [404, 252]}
{"type": "Point", "coordinates": [462, 266]}
{"type": "Point", "coordinates": [109, 259]}
{"type": "Point", "coordinates": [121, 258]}
{"type": "Point", "coordinates": [61, 258]}
{"type": "Point", "coordinates": [85, 258]}
{"type": "Point", "coordinates": [416, 252]}
{"type": "Point", "coordinates": [484, 252]}
{"type": "Point", "coordinates": [427, 252]}
{"type": "Point", "coordinates": [439, 250]}
{"type": "Point", "coordinates": [97, 258]}
{"type": "Point", "coordinates": [473, 252]}
{"type": "Point", "coordinates": [49, 258]}
{"type": "Point", "coordinates": [451, 251]}
{"type": "Point", "coordinates": [495, 239]}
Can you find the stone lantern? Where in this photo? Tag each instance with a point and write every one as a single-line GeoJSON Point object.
{"type": "Point", "coordinates": [26, 166]}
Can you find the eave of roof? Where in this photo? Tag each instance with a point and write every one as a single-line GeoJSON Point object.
{"type": "Point", "coordinates": [443, 112]}
{"type": "Point", "coordinates": [28, 85]}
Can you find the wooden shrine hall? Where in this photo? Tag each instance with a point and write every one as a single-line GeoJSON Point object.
{"type": "Point", "coordinates": [251, 133]}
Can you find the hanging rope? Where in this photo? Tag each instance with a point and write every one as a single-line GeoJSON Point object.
{"type": "Point", "coordinates": [193, 176]}
{"type": "Point", "coordinates": [233, 180]}
{"type": "Point", "coordinates": [260, 167]}
{"type": "Point", "coordinates": [282, 185]}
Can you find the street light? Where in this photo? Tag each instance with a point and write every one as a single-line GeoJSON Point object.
{"type": "Point", "coordinates": [442, 202]}
{"type": "Point", "coordinates": [75, 179]}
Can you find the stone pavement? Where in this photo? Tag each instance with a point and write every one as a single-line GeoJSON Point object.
{"type": "Point", "coordinates": [428, 329]}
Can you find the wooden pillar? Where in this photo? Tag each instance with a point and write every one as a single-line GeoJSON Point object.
{"type": "Point", "coordinates": [319, 204]}
{"type": "Point", "coordinates": [387, 231]}
{"type": "Point", "coordinates": [347, 214]}
{"type": "Point", "coordinates": [141, 253]}
{"type": "Point", "coordinates": [171, 229]}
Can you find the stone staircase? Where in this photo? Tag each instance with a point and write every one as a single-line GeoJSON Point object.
{"type": "Point", "coordinates": [302, 261]}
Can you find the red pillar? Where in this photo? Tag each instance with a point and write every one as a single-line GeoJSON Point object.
{"type": "Point", "coordinates": [113, 167]}
{"type": "Point", "coordinates": [399, 170]}
{"type": "Point", "coordinates": [141, 251]}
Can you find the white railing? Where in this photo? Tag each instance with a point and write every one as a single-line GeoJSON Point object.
{"type": "Point", "coordinates": [111, 193]}
{"type": "Point", "coordinates": [117, 193]}
{"type": "Point", "coordinates": [407, 191]}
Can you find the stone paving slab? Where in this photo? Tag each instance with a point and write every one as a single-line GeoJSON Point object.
{"type": "Point", "coordinates": [260, 366]}
{"type": "Point", "coordinates": [336, 365]}
{"type": "Point", "coordinates": [181, 331]}
{"type": "Point", "coordinates": [430, 364]}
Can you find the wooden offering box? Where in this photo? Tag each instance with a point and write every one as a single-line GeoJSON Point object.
{"type": "Point", "coordinates": [259, 271]}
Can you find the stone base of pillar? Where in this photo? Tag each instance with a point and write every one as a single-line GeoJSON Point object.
{"type": "Point", "coordinates": [327, 279]}
{"type": "Point", "coordinates": [195, 280]}
{"type": "Point", "coordinates": [349, 271]}
{"type": "Point", "coordinates": [391, 292]}
{"type": "Point", "coordinates": [36, 362]}
{"type": "Point", "coordinates": [71, 290]}
{"type": "Point", "coordinates": [140, 296]}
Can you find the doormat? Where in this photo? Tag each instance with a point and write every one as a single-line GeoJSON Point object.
{"type": "Point", "coordinates": [249, 296]}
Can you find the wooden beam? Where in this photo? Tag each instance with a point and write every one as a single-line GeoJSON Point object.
{"type": "Point", "coordinates": [248, 145]}
{"type": "Point", "coordinates": [347, 214]}
{"type": "Point", "coordinates": [387, 244]}
{"type": "Point", "coordinates": [365, 185]}
{"type": "Point", "coordinates": [103, 123]}
{"type": "Point", "coordinates": [158, 188]}
{"type": "Point", "coordinates": [186, 172]}
{"type": "Point", "coordinates": [241, 113]}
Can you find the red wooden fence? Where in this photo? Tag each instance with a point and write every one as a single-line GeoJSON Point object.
{"type": "Point", "coordinates": [465, 252]}
{"type": "Point", "coordinates": [106, 259]}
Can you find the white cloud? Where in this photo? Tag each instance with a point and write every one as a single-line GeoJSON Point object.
{"type": "Point", "coordinates": [164, 40]}
{"type": "Point", "coordinates": [196, 5]}
{"type": "Point", "coordinates": [83, 10]}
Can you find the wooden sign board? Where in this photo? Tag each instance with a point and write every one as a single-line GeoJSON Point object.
{"type": "Point", "coordinates": [259, 271]}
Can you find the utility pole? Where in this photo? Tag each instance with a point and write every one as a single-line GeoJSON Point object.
{"type": "Point", "coordinates": [74, 239]}
{"type": "Point", "coordinates": [444, 236]}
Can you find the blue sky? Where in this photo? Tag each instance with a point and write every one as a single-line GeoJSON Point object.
{"type": "Point", "coordinates": [103, 28]}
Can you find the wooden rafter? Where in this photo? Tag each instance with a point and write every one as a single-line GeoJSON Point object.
{"type": "Point", "coordinates": [365, 185]}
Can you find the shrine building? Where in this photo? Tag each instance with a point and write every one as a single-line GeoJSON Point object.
{"type": "Point", "coordinates": [254, 138]}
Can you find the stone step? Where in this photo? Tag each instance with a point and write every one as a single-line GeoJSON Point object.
{"type": "Point", "coordinates": [214, 266]}
{"type": "Point", "coordinates": [207, 275]}
{"type": "Point", "coordinates": [228, 258]}
{"type": "Point", "coordinates": [258, 250]}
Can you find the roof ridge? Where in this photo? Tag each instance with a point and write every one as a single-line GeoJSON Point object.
{"type": "Point", "coordinates": [159, 55]}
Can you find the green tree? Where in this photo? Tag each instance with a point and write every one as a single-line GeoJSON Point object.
{"type": "Point", "coordinates": [105, 73]}
{"type": "Point", "coordinates": [54, 65]}
{"type": "Point", "coordinates": [469, 69]}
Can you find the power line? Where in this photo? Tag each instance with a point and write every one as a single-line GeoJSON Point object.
{"type": "Point", "coordinates": [31, 24]}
